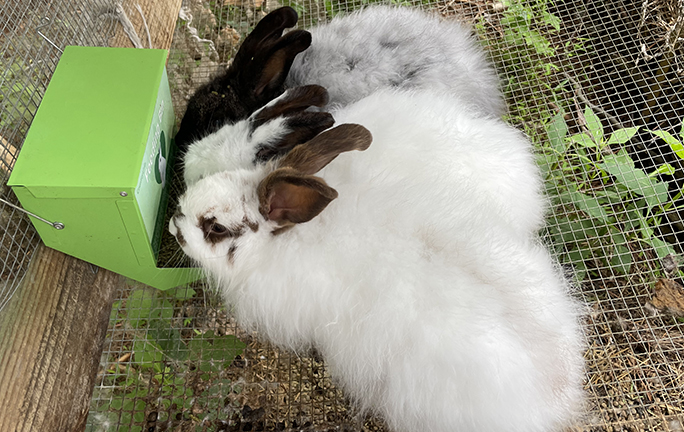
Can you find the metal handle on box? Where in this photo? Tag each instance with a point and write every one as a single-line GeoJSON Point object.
{"type": "Point", "coordinates": [55, 225]}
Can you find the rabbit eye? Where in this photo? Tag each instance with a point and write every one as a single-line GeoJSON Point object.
{"type": "Point", "coordinates": [215, 232]}
{"type": "Point", "coordinates": [218, 228]}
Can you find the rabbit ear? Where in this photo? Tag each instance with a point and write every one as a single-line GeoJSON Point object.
{"type": "Point", "coordinates": [302, 125]}
{"type": "Point", "coordinates": [311, 157]}
{"type": "Point", "coordinates": [274, 68]}
{"type": "Point", "coordinates": [288, 197]}
{"type": "Point", "coordinates": [268, 30]}
{"type": "Point", "coordinates": [292, 101]}
{"type": "Point", "coordinates": [265, 57]}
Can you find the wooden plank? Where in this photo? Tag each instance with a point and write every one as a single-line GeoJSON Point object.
{"type": "Point", "coordinates": [51, 341]}
{"type": "Point", "coordinates": [161, 16]}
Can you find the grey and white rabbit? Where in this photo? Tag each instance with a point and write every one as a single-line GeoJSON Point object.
{"type": "Point", "coordinates": [382, 47]}
{"type": "Point", "coordinates": [378, 47]}
{"type": "Point", "coordinates": [410, 264]}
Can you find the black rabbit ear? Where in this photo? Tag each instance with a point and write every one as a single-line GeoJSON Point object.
{"type": "Point", "coordinates": [311, 157]}
{"type": "Point", "coordinates": [265, 57]}
{"type": "Point", "coordinates": [275, 66]}
{"type": "Point", "coordinates": [266, 32]}
{"type": "Point", "coordinates": [302, 128]}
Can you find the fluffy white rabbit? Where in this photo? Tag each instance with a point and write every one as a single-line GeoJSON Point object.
{"type": "Point", "coordinates": [410, 266]}
{"type": "Point", "coordinates": [382, 47]}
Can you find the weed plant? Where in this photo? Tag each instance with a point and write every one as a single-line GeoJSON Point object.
{"type": "Point", "coordinates": [166, 359]}
{"type": "Point", "coordinates": [605, 210]}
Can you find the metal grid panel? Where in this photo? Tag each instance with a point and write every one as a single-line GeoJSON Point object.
{"type": "Point", "coordinates": [194, 369]}
{"type": "Point", "coordinates": [609, 219]}
{"type": "Point", "coordinates": [31, 36]}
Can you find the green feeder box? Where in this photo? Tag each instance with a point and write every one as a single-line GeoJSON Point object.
{"type": "Point", "coordinates": [96, 160]}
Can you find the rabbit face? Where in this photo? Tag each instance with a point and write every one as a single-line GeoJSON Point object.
{"type": "Point", "coordinates": [226, 212]}
{"type": "Point", "coordinates": [214, 218]}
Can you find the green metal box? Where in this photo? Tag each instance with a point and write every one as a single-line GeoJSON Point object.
{"type": "Point", "coordinates": [95, 161]}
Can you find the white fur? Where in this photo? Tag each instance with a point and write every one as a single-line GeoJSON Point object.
{"type": "Point", "coordinates": [422, 285]}
{"type": "Point", "coordinates": [396, 47]}
{"type": "Point", "coordinates": [229, 148]}
{"type": "Point", "coordinates": [389, 47]}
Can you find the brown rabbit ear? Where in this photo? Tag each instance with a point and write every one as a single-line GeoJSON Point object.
{"type": "Point", "coordinates": [311, 157]}
{"type": "Point", "coordinates": [303, 127]}
{"type": "Point", "coordinates": [288, 197]}
{"type": "Point", "coordinates": [294, 100]}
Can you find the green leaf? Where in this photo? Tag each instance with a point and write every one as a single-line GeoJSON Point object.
{"type": "Point", "coordinates": [582, 139]}
{"type": "Point", "coordinates": [552, 20]}
{"type": "Point", "coordinates": [116, 403]}
{"type": "Point", "coordinates": [665, 168]}
{"type": "Point", "coordinates": [621, 136]}
{"type": "Point", "coordinates": [621, 166]}
{"type": "Point", "coordinates": [148, 354]}
{"type": "Point", "coordinates": [632, 221]}
{"type": "Point", "coordinates": [115, 310]}
{"type": "Point", "coordinates": [622, 260]}
{"type": "Point", "coordinates": [594, 125]}
{"type": "Point", "coordinates": [617, 237]}
{"type": "Point", "coordinates": [168, 339]}
{"type": "Point", "coordinates": [182, 293]}
{"type": "Point", "coordinates": [545, 161]}
{"type": "Point", "coordinates": [611, 197]}
{"type": "Point", "coordinates": [513, 22]}
{"type": "Point", "coordinates": [662, 248]}
{"type": "Point", "coordinates": [139, 415]}
{"type": "Point", "coordinates": [140, 392]}
{"type": "Point", "coordinates": [538, 42]}
{"type": "Point", "coordinates": [673, 142]}
{"type": "Point", "coordinates": [557, 130]}
{"type": "Point", "coordinates": [139, 306]}
{"type": "Point", "coordinates": [144, 306]}
{"type": "Point", "coordinates": [212, 349]}
{"type": "Point", "coordinates": [644, 226]}
{"type": "Point", "coordinates": [589, 205]}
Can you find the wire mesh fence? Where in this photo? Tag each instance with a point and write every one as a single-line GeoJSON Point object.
{"type": "Point", "coordinates": [32, 33]}
{"type": "Point", "coordinates": [598, 87]}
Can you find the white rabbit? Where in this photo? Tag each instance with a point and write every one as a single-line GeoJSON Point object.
{"type": "Point", "coordinates": [417, 277]}
{"type": "Point", "coordinates": [381, 47]}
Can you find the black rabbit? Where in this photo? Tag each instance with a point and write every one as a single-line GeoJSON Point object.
{"type": "Point", "coordinates": [255, 77]}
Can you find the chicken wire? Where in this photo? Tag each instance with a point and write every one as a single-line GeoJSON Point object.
{"type": "Point", "coordinates": [177, 361]}
{"type": "Point", "coordinates": [31, 37]}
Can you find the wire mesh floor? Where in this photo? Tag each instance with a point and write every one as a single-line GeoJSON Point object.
{"type": "Point", "coordinates": [598, 86]}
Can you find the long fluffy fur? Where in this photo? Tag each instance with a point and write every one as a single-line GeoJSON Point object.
{"type": "Point", "coordinates": [382, 47]}
{"type": "Point", "coordinates": [423, 285]}
{"type": "Point", "coordinates": [376, 48]}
